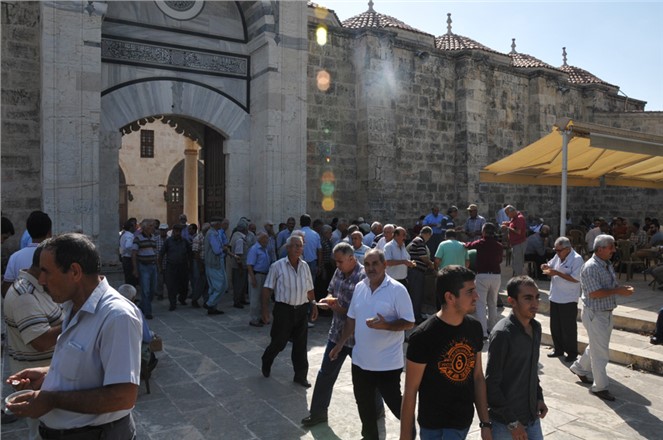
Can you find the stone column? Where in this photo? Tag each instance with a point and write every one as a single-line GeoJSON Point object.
{"type": "Point", "coordinates": [191, 180]}
{"type": "Point", "coordinates": [70, 117]}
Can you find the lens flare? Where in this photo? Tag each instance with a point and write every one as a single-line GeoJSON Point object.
{"type": "Point", "coordinates": [321, 13]}
{"type": "Point", "coordinates": [327, 189]}
{"type": "Point", "coordinates": [323, 80]}
{"type": "Point", "coordinates": [328, 204]}
{"type": "Point", "coordinates": [328, 176]}
{"type": "Point", "coordinates": [321, 35]}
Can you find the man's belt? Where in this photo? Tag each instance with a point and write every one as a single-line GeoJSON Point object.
{"type": "Point", "coordinates": [82, 433]}
{"type": "Point", "coordinates": [291, 306]}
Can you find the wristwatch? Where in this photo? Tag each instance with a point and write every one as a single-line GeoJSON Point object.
{"type": "Point", "coordinates": [488, 425]}
{"type": "Point", "coordinates": [513, 425]}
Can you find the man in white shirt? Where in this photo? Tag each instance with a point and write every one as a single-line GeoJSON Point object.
{"type": "Point", "coordinates": [379, 313]}
{"type": "Point", "coordinates": [398, 258]}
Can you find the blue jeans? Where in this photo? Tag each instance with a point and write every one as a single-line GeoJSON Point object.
{"type": "Point", "coordinates": [533, 429]}
{"type": "Point", "coordinates": [442, 434]}
{"type": "Point", "coordinates": [327, 375]}
{"type": "Point", "coordinates": [148, 286]}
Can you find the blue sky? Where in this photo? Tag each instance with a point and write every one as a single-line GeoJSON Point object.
{"type": "Point", "coordinates": [620, 42]}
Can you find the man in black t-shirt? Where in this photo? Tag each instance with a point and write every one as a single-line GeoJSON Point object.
{"type": "Point", "coordinates": [444, 364]}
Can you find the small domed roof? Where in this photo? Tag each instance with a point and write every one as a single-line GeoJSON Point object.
{"type": "Point", "coordinates": [580, 76]}
{"type": "Point", "coordinates": [371, 19]}
{"type": "Point", "coordinates": [451, 41]}
{"type": "Point", "coordinates": [522, 60]}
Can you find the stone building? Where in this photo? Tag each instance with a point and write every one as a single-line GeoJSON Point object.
{"type": "Point", "coordinates": [382, 121]}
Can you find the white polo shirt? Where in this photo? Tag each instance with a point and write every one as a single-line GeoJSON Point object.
{"type": "Point", "coordinates": [561, 290]}
{"type": "Point", "coordinates": [379, 350]}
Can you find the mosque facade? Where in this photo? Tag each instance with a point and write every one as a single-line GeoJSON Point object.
{"type": "Point", "coordinates": [381, 121]}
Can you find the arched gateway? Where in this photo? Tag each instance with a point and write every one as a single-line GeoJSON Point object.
{"type": "Point", "coordinates": [232, 69]}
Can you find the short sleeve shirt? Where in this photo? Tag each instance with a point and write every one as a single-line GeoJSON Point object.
{"type": "Point", "coordinates": [563, 291]}
{"type": "Point", "coordinates": [451, 252]}
{"type": "Point", "coordinates": [342, 287]}
{"type": "Point", "coordinates": [446, 392]}
{"type": "Point", "coordinates": [290, 284]}
{"type": "Point", "coordinates": [597, 274]}
{"type": "Point", "coordinates": [379, 350]}
{"type": "Point", "coordinates": [394, 252]}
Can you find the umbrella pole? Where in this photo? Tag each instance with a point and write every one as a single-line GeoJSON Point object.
{"type": "Point", "coordinates": [565, 153]}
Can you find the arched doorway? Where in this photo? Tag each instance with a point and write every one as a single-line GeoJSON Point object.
{"type": "Point", "coordinates": [175, 193]}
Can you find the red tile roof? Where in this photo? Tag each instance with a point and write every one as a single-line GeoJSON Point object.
{"type": "Point", "coordinates": [371, 19]}
{"type": "Point", "coordinates": [459, 42]}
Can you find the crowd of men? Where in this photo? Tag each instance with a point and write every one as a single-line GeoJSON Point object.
{"type": "Point", "coordinates": [370, 278]}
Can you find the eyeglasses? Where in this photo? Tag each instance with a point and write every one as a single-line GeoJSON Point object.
{"type": "Point", "coordinates": [560, 250]}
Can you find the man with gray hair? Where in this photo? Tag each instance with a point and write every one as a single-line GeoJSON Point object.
{"type": "Point", "coordinates": [144, 259]}
{"type": "Point", "coordinates": [258, 261]}
{"type": "Point", "coordinates": [376, 229]}
{"type": "Point", "coordinates": [599, 290]}
{"type": "Point", "coordinates": [215, 266]}
{"type": "Point", "coordinates": [564, 273]}
{"type": "Point", "coordinates": [517, 229]}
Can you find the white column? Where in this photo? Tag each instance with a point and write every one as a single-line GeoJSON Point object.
{"type": "Point", "coordinates": [191, 180]}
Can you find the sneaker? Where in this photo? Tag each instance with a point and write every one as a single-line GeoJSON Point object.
{"type": "Point", "coordinates": [310, 324]}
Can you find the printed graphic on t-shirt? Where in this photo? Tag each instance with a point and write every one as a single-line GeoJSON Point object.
{"type": "Point", "coordinates": [458, 363]}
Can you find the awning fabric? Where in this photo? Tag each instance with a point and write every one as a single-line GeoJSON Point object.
{"type": "Point", "coordinates": [595, 152]}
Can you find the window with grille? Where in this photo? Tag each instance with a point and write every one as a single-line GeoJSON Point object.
{"type": "Point", "coordinates": [147, 143]}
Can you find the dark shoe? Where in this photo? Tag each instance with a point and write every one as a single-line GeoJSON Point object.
{"type": "Point", "coordinates": [238, 306]}
{"type": "Point", "coordinates": [266, 369]}
{"type": "Point", "coordinates": [195, 304]}
{"type": "Point", "coordinates": [183, 302]}
{"type": "Point", "coordinates": [149, 317]}
{"type": "Point", "coordinates": [555, 354]}
{"type": "Point", "coordinates": [303, 382]}
{"type": "Point", "coordinates": [605, 395]}
{"type": "Point", "coordinates": [172, 307]}
{"type": "Point", "coordinates": [160, 297]}
{"type": "Point", "coordinates": [213, 311]}
{"type": "Point", "coordinates": [571, 358]}
{"type": "Point", "coordinates": [246, 303]}
{"type": "Point", "coordinates": [255, 323]}
{"type": "Point", "coordinates": [314, 419]}
{"type": "Point", "coordinates": [655, 340]}
{"type": "Point", "coordinates": [205, 306]}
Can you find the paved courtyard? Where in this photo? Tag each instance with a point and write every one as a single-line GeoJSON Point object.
{"type": "Point", "coordinates": [208, 385]}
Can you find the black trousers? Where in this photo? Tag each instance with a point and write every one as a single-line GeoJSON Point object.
{"type": "Point", "coordinates": [177, 279]}
{"type": "Point", "coordinates": [564, 327]}
{"type": "Point", "coordinates": [365, 383]}
{"type": "Point", "coordinates": [128, 269]}
{"type": "Point", "coordinates": [416, 279]}
{"type": "Point", "coordinates": [289, 322]}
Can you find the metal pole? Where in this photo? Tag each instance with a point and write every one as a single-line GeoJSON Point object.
{"type": "Point", "coordinates": [565, 147]}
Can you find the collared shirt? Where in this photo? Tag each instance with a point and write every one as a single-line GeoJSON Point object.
{"type": "Point", "coordinates": [451, 252]}
{"type": "Point", "coordinates": [29, 313]}
{"type": "Point", "coordinates": [563, 291]}
{"type": "Point", "coordinates": [417, 250]}
{"type": "Point", "coordinates": [311, 244]}
{"type": "Point", "coordinates": [473, 225]}
{"type": "Point", "coordinates": [159, 240]}
{"type": "Point", "coordinates": [368, 239]}
{"type": "Point", "coordinates": [342, 287]}
{"type": "Point", "coordinates": [213, 249]}
{"type": "Point", "coordinates": [597, 274]}
{"type": "Point", "coordinates": [512, 381]}
{"type": "Point", "coordinates": [535, 245]}
{"type": "Point", "coordinates": [392, 251]}
{"type": "Point", "coordinates": [259, 258]}
{"type": "Point", "coordinates": [379, 350]}
{"type": "Point", "coordinates": [359, 253]}
{"type": "Point", "coordinates": [198, 246]}
{"type": "Point", "coordinates": [146, 248]}
{"type": "Point", "coordinates": [433, 221]}
{"type": "Point", "coordinates": [177, 250]}
{"type": "Point", "coordinates": [489, 254]}
{"type": "Point", "coordinates": [639, 238]}
{"type": "Point", "coordinates": [290, 285]}
{"type": "Point", "coordinates": [281, 238]}
{"type": "Point", "coordinates": [591, 236]}
{"type": "Point", "coordinates": [100, 345]}
{"type": "Point", "coordinates": [19, 260]}
{"type": "Point", "coordinates": [519, 223]}
{"type": "Point", "coordinates": [126, 244]}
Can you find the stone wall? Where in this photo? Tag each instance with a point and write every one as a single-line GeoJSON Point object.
{"type": "Point", "coordinates": [21, 103]}
{"type": "Point", "coordinates": [406, 132]}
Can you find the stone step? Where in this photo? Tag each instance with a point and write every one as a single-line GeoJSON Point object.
{"type": "Point", "coordinates": [629, 343]}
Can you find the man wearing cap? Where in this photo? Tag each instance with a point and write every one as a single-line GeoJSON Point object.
{"type": "Point", "coordinates": [215, 266]}
{"type": "Point", "coordinates": [160, 238]}
{"type": "Point", "coordinates": [177, 252]}
{"type": "Point", "coordinates": [474, 223]}
{"type": "Point", "coordinates": [144, 258]}
{"type": "Point", "coordinates": [517, 228]}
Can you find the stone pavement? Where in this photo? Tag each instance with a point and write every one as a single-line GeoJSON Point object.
{"type": "Point", "coordinates": [208, 385]}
